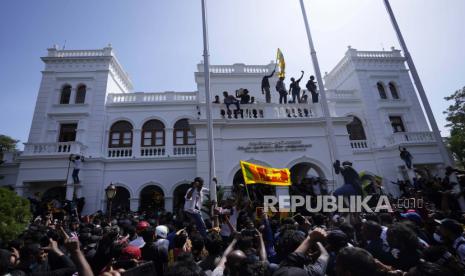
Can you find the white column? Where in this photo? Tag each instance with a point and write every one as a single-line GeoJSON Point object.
{"type": "Point", "coordinates": [284, 192]}
{"type": "Point", "coordinates": [20, 190]}
{"type": "Point", "coordinates": [134, 204]}
{"type": "Point", "coordinates": [69, 191]}
{"type": "Point", "coordinates": [169, 143]}
{"type": "Point", "coordinates": [168, 203]}
{"type": "Point", "coordinates": [72, 96]}
{"type": "Point", "coordinates": [136, 141]}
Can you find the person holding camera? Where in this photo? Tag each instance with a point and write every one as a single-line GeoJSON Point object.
{"type": "Point", "coordinates": [243, 94]}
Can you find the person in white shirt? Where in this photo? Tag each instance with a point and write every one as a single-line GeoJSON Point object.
{"type": "Point", "coordinates": [77, 163]}
{"type": "Point", "coordinates": [193, 204]}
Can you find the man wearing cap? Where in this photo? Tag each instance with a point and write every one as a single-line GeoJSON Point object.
{"type": "Point", "coordinates": [193, 204]}
{"type": "Point", "coordinates": [452, 233]}
{"type": "Point", "coordinates": [161, 246]}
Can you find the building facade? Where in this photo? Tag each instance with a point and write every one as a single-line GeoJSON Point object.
{"type": "Point", "coordinates": [151, 145]}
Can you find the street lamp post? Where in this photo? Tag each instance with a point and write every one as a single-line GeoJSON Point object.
{"type": "Point", "coordinates": [110, 192]}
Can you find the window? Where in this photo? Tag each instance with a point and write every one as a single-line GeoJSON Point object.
{"type": "Point", "coordinates": [397, 124]}
{"type": "Point", "coordinates": [381, 90]}
{"type": "Point", "coordinates": [183, 133]}
{"type": "Point", "coordinates": [153, 133]}
{"type": "Point", "coordinates": [355, 130]}
{"type": "Point", "coordinates": [121, 135]}
{"type": "Point", "coordinates": [67, 133]}
{"type": "Point", "coordinates": [81, 94]}
{"type": "Point", "coordinates": [65, 94]}
{"type": "Point", "coordinates": [393, 89]}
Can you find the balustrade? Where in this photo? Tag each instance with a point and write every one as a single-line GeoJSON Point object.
{"type": "Point", "coordinates": [119, 153]}
{"type": "Point", "coordinates": [188, 150]}
{"type": "Point", "coordinates": [152, 151]}
{"type": "Point", "coordinates": [52, 148]}
{"type": "Point", "coordinates": [359, 144]}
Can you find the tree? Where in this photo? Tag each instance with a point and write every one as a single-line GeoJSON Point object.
{"type": "Point", "coordinates": [456, 121]}
{"type": "Point", "coordinates": [7, 143]}
{"type": "Point", "coordinates": [15, 214]}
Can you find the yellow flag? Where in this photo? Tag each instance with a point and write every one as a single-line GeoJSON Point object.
{"type": "Point", "coordinates": [256, 174]}
{"type": "Point", "coordinates": [281, 63]}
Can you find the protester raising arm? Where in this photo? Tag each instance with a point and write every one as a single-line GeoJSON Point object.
{"type": "Point", "coordinates": [222, 263]}
{"type": "Point", "coordinates": [298, 81]}
{"type": "Point", "coordinates": [72, 245]}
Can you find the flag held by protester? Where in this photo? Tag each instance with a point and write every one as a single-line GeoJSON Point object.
{"type": "Point", "coordinates": [281, 63]}
{"type": "Point", "coordinates": [256, 174]}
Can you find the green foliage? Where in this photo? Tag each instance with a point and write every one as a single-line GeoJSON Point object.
{"type": "Point", "coordinates": [7, 143]}
{"type": "Point", "coordinates": [456, 121]}
{"type": "Point", "coordinates": [15, 214]}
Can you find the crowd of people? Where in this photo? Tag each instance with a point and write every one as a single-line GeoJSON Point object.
{"type": "Point", "coordinates": [237, 238]}
{"type": "Point", "coordinates": [296, 95]}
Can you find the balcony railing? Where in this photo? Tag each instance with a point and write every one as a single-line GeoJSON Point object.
{"type": "Point", "coordinates": [239, 68]}
{"type": "Point", "coordinates": [359, 144]}
{"type": "Point", "coordinates": [151, 98]}
{"type": "Point", "coordinates": [52, 148]}
{"type": "Point", "coordinates": [152, 151]}
{"type": "Point", "coordinates": [264, 111]}
{"type": "Point", "coordinates": [411, 138]}
{"type": "Point", "coordinates": [189, 150]}
{"type": "Point", "coordinates": [119, 153]}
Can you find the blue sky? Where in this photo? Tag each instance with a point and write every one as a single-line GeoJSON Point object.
{"type": "Point", "coordinates": [159, 42]}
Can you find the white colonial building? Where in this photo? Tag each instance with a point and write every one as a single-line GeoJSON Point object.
{"type": "Point", "coordinates": [150, 145]}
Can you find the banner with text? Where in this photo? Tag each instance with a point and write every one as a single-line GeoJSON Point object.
{"type": "Point", "coordinates": [256, 174]}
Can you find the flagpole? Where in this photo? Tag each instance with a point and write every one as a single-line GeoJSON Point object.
{"type": "Point", "coordinates": [324, 104]}
{"type": "Point", "coordinates": [420, 89]}
{"type": "Point", "coordinates": [206, 73]}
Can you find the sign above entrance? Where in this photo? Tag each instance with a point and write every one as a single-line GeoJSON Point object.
{"type": "Point", "coordinates": [276, 146]}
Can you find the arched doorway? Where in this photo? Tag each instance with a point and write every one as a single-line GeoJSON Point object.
{"type": "Point", "coordinates": [152, 199]}
{"type": "Point", "coordinates": [178, 197]}
{"type": "Point", "coordinates": [307, 179]}
{"type": "Point", "coordinates": [256, 192]}
{"type": "Point", "coordinates": [121, 201]}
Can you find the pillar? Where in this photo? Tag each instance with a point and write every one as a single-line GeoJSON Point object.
{"type": "Point", "coordinates": [168, 203]}
{"type": "Point", "coordinates": [69, 191]}
{"type": "Point", "coordinates": [136, 141]}
{"type": "Point", "coordinates": [134, 204]}
{"type": "Point", "coordinates": [20, 190]}
{"type": "Point", "coordinates": [169, 142]}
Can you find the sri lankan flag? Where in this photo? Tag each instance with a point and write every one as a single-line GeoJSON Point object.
{"type": "Point", "coordinates": [281, 63]}
{"type": "Point", "coordinates": [256, 174]}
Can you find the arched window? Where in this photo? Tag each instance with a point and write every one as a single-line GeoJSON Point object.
{"type": "Point", "coordinates": [121, 135]}
{"type": "Point", "coordinates": [393, 88]}
{"type": "Point", "coordinates": [355, 130]}
{"type": "Point", "coordinates": [65, 94]}
{"type": "Point", "coordinates": [81, 94]}
{"type": "Point", "coordinates": [153, 133]}
{"type": "Point", "coordinates": [381, 90]}
{"type": "Point", "coordinates": [183, 133]}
